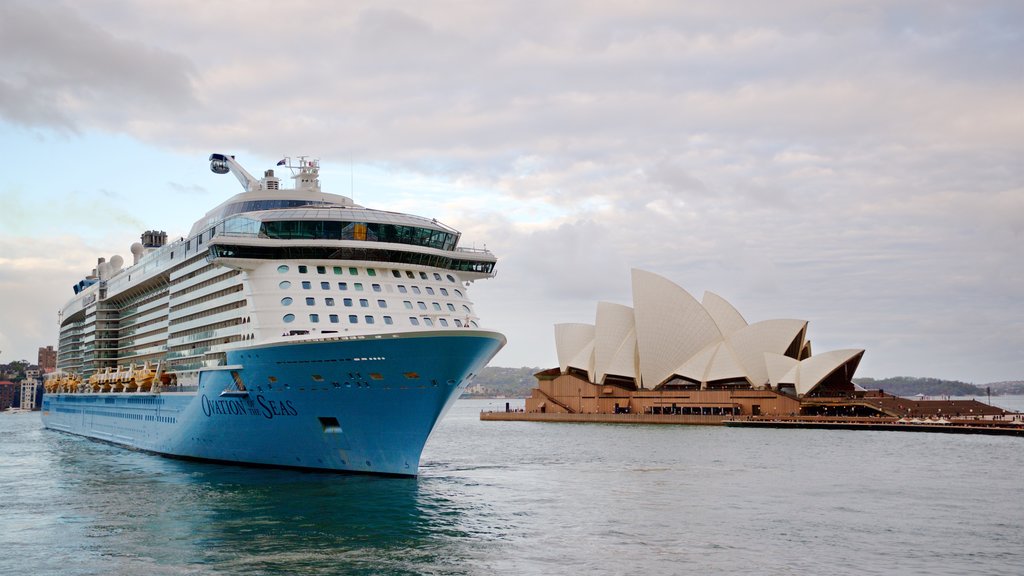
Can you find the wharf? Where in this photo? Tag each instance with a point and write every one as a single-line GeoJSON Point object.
{"type": "Point", "coordinates": [953, 426]}
{"type": "Point", "coordinates": [691, 419]}
{"type": "Point", "coordinates": [1013, 427]}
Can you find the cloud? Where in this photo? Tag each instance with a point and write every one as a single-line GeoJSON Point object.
{"type": "Point", "coordinates": [855, 164]}
{"type": "Point", "coordinates": [62, 71]}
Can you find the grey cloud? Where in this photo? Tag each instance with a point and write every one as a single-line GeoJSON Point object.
{"type": "Point", "coordinates": [815, 159]}
{"type": "Point", "coordinates": [62, 70]}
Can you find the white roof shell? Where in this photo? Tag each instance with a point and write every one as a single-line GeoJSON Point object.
{"type": "Point", "coordinates": [574, 344]}
{"type": "Point", "coordinates": [671, 326]}
{"type": "Point", "coordinates": [668, 334]}
{"type": "Point", "coordinates": [615, 342]}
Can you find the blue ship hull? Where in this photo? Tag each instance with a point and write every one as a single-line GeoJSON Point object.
{"type": "Point", "coordinates": [360, 404]}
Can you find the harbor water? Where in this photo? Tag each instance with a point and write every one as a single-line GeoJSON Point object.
{"type": "Point", "coordinates": [529, 498]}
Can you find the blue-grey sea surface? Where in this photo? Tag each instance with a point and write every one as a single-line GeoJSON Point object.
{"type": "Point", "coordinates": [529, 498]}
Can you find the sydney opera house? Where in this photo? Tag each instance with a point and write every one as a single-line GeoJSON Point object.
{"type": "Point", "coordinates": [672, 354]}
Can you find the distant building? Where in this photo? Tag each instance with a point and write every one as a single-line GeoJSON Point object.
{"type": "Point", "coordinates": [28, 393]}
{"type": "Point", "coordinates": [7, 394]}
{"type": "Point", "coordinates": [47, 359]}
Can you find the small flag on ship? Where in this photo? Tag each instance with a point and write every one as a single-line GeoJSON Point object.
{"type": "Point", "coordinates": [282, 161]}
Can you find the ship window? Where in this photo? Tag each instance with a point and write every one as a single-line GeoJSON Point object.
{"type": "Point", "coordinates": [423, 275]}
{"type": "Point", "coordinates": [289, 318]}
{"type": "Point", "coordinates": [444, 291]}
{"type": "Point", "coordinates": [415, 289]}
{"type": "Point", "coordinates": [306, 285]}
{"type": "Point", "coordinates": [382, 303]}
{"type": "Point", "coordinates": [428, 321]}
{"type": "Point", "coordinates": [368, 318]}
{"type": "Point", "coordinates": [321, 270]}
{"type": "Point", "coordinates": [414, 320]}
{"type": "Point", "coordinates": [409, 274]}
{"type": "Point", "coordinates": [342, 285]}
{"type": "Point", "coordinates": [325, 285]}
{"type": "Point", "coordinates": [458, 323]}
{"type": "Point", "coordinates": [314, 318]}
{"type": "Point", "coordinates": [408, 304]}
{"type": "Point", "coordinates": [396, 273]}
{"type": "Point", "coordinates": [451, 307]}
{"type": "Point", "coordinates": [371, 272]}
{"type": "Point", "coordinates": [459, 292]}
{"type": "Point", "coordinates": [302, 269]}
{"type": "Point", "coordinates": [347, 302]}
{"type": "Point", "coordinates": [364, 302]}
{"type": "Point", "coordinates": [353, 271]}
{"type": "Point", "coordinates": [437, 276]}
{"type": "Point", "coordinates": [334, 318]}
{"type": "Point", "coordinates": [450, 279]}
{"type": "Point", "coordinates": [282, 268]}
{"type": "Point", "coordinates": [429, 290]}
{"type": "Point", "coordinates": [337, 270]}
{"type": "Point", "coordinates": [358, 286]}
{"type": "Point", "coordinates": [376, 287]}
{"type": "Point", "coordinates": [388, 320]}
{"type": "Point", "coordinates": [286, 301]}
{"type": "Point", "coordinates": [284, 285]}
{"type": "Point", "coordinates": [353, 319]}
{"type": "Point", "coordinates": [310, 301]}
{"type": "Point", "coordinates": [403, 289]}
{"type": "Point", "coordinates": [443, 322]}
{"type": "Point", "coordinates": [436, 306]}
{"type": "Point", "coordinates": [466, 308]}
{"type": "Point", "coordinates": [422, 305]}
{"type": "Point", "coordinates": [329, 301]}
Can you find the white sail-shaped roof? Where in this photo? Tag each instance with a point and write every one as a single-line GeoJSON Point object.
{"type": "Point", "coordinates": [752, 342]}
{"type": "Point", "coordinates": [696, 368]}
{"type": "Point", "coordinates": [725, 366]}
{"type": "Point", "coordinates": [815, 369]}
{"type": "Point", "coordinates": [668, 333]}
{"type": "Point", "coordinates": [614, 342]}
{"type": "Point", "coordinates": [779, 367]}
{"type": "Point", "coordinates": [671, 326]}
{"type": "Point", "coordinates": [574, 344]}
{"type": "Point", "coordinates": [728, 319]}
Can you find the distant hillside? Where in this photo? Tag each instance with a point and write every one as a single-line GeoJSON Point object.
{"type": "Point", "coordinates": [495, 381]}
{"type": "Point", "coordinates": [909, 386]}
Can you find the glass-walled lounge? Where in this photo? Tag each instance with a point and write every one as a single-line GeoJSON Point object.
{"type": "Point", "coordinates": [343, 230]}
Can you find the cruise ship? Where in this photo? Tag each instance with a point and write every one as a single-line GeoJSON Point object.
{"type": "Point", "coordinates": [291, 328]}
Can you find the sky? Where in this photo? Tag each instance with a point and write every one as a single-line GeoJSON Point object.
{"type": "Point", "coordinates": [854, 164]}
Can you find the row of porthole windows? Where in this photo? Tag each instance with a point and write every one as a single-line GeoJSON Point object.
{"type": "Point", "coordinates": [358, 287]}
{"type": "Point", "coordinates": [353, 271]}
{"type": "Point", "coordinates": [335, 318]}
{"type": "Point", "coordinates": [416, 290]}
{"type": "Point", "coordinates": [369, 319]}
{"type": "Point", "coordinates": [423, 275]}
{"type": "Point", "coordinates": [347, 302]}
{"type": "Point", "coordinates": [436, 305]}
{"type": "Point", "coordinates": [343, 286]}
{"type": "Point", "coordinates": [338, 270]}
